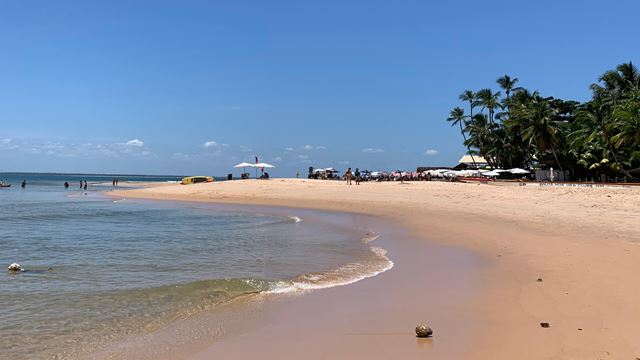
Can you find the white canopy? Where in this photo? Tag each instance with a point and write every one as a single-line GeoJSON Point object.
{"type": "Point", "coordinates": [243, 165]}
{"type": "Point", "coordinates": [492, 173]}
{"type": "Point", "coordinates": [263, 166]}
{"type": "Point", "coordinates": [518, 171]}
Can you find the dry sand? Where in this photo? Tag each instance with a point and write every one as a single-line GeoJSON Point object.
{"type": "Point", "coordinates": [491, 243]}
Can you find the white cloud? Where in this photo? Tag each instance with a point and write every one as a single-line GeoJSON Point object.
{"type": "Point", "coordinates": [6, 141]}
{"type": "Point", "coordinates": [210, 143]}
{"type": "Point", "coordinates": [430, 152]}
{"type": "Point", "coordinates": [343, 162]}
{"type": "Point", "coordinates": [302, 156]}
{"type": "Point", "coordinates": [277, 159]}
{"type": "Point", "coordinates": [135, 143]}
{"type": "Point", "coordinates": [372, 150]}
{"type": "Point", "coordinates": [314, 147]}
{"type": "Point", "coordinates": [288, 149]}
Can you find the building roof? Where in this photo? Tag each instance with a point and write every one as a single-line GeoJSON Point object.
{"type": "Point", "coordinates": [466, 159]}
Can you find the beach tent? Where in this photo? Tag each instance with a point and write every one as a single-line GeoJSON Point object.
{"type": "Point", "coordinates": [518, 171]}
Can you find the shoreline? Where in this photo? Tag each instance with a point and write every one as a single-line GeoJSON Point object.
{"type": "Point", "coordinates": [561, 235]}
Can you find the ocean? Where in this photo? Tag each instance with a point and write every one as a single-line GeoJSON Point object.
{"type": "Point", "coordinates": [100, 271]}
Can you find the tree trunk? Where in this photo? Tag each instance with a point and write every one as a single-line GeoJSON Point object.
{"type": "Point", "coordinates": [468, 147]}
{"type": "Point", "coordinates": [555, 156]}
{"type": "Point", "coordinates": [613, 152]}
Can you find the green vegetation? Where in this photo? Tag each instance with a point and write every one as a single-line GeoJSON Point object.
{"type": "Point", "coordinates": [525, 129]}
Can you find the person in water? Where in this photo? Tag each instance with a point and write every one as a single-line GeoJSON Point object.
{"type": "Point", "coordinates": [80, 184]}
{"type": "Point", "coordinates": [24, 184]}
{"type": "Point", "coordinates": [66, 185]}
{"type": "Point", "coordinates": [85, 184]}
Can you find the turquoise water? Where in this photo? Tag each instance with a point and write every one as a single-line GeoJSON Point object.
{"type": "Point", "coordinates": [99, 270]}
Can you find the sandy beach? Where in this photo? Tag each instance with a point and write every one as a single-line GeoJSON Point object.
{"type": "Point", "coordinates": [483, 264]}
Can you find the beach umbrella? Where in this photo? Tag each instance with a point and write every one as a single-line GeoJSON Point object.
{"type": "Point", "coordinates": [492, 173]}
{"type": "Point", "coordinates": [244, 166]}
{"type": "Point", "coordinates": [262, 166]}
{"type": "Point", "coordinates": [518, 171]}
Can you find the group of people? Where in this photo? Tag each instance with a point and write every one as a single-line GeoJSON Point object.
{"type": "Point", "coordinates": [349, 176]}
{"type": "Point", "coordinates": [115, 181]}
{"type": "Point", "coordinates": [83, 185]}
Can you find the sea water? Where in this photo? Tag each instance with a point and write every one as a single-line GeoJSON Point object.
{"type": "Point", "coordinates": [100, 270]}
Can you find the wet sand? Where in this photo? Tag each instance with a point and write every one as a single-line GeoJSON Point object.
{"type": "Point", "coordinates": [491, 244]}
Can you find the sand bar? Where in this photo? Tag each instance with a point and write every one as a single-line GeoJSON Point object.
{"type": "Point", "coordinates": [584, 243]}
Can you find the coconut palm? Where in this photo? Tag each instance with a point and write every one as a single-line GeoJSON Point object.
{"type": "Point", "coordinates": [457, 117]}
{"type": "Point", "coordinates": [507, 84]}
{"type": "Point", "coordinates": [540, 128]}
{"type": "Point", "coordinates": [470, 97]}
{"type": "Point", "coordinates": [489, 100]}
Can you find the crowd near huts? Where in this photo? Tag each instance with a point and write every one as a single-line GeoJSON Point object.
{"type": "Point", "coordinates": [461, 172]}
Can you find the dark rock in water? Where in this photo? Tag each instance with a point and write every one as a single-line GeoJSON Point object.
{"type": "Point", "coordinates": [544, 324]}
{"type": "Point", "coordinates": [423, 331]}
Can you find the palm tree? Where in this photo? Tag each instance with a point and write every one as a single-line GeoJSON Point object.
{"type": "Point", "coordinates": [540, 128]}
{"type": "Point", "coordinates": [470, 97]}
{"type": "Point", "coordinates": [596, 123]}
{"type": "Point", "coordinates": [488, 100]}
{"type": "Point", "coordinates": [457, 117]}
{"type": "Point", "coordinates": [617, 83]}
{"type": "Point", "coordinates": [481, 136]}
{"type": "Point", "coordinates": [507, 84]}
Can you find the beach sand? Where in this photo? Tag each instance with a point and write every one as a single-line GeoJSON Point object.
{"type": "Point", "coordinates": [468, 264]}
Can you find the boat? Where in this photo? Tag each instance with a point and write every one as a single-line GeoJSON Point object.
{"type": "Point", "coordinates": [3, 185]}
{"type": "Point", "coordinates": [196, 180]}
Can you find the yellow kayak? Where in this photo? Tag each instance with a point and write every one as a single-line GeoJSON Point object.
{"type": "Point", "coordinates": [196, 179]}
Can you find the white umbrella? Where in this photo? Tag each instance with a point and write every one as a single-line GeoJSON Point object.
{"type": "Point", "coordinates": [492, 173]}
{"type": "Point", "coordinates": [262, 166]}
{"type": "Point", "coordinates": [518, 171]}
{"type": "Point", "coordinates": [244, 166]}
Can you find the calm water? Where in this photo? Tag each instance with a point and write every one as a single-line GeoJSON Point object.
{"type": "Point", "coordinates": [100, 270]}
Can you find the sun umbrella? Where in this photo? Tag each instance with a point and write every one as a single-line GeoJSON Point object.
{"type": "Point", "coordinates": [244, 166]}
{"type": "Point", "coordinates": [262, 166]}
{"type": "Point", "coordinates": [518, 171]}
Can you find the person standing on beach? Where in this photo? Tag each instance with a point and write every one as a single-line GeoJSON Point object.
{"type": "Point", "coordinates": [348, 175]}
{"type": "Point", "coordinates": [357, 176]}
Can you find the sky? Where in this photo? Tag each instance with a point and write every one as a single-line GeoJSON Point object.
{"type": "Point", "coordinates": [194, 87]}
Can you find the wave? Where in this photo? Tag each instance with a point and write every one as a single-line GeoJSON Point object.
{"type": "Point", "coordinates": [295, 219]}
{"type": "Point", "coordinates": [343, 275]}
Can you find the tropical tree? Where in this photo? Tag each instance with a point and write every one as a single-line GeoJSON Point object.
{"type": "Point", "coordinates": [457, 117]}
{"type": "Point", "coordinates": [507, 84]}
{"type": "Point", "coordinates": [470, 97]}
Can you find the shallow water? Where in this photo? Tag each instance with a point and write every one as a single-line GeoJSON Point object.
{"type": "Point", "coordinates": [101, 270]}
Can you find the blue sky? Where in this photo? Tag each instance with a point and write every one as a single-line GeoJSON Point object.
{"type": "Point", "coordinates": [171, 87]}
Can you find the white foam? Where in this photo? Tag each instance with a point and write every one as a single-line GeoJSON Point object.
{"type": "Point", "coordinates": [295, 219]}
{"type": "Point", "coordinates": [344, 275]}
{"type": "Point", "coordinates": [117, 201]}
